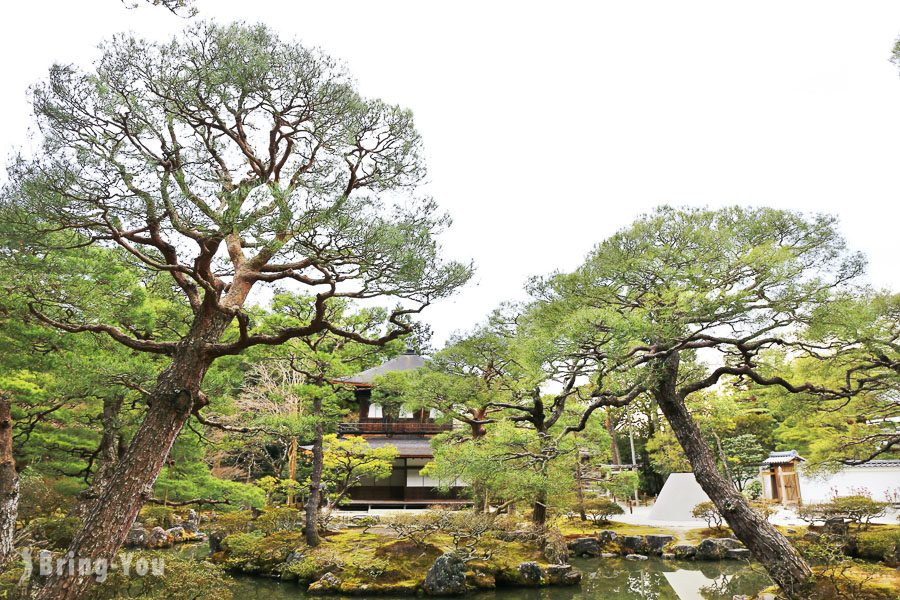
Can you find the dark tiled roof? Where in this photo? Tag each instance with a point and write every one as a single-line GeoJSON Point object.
{"type": "Point", "coordinates": [404, 362]}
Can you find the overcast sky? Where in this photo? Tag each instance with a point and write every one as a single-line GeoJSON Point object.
{"type": "Point", "coordinates": [550, 125]}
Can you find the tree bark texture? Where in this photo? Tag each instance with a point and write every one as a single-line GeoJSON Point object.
{"type": "Point", "coordinates": [171, 401]}
{"type": "Point", "coordinates": [781, 560]}
{"type": "Point", "coordinates": [110, 450]}
{"type": "Point", "coordinates": [311, 527]}
{"type": "Point", "coordinates": [9, 481]}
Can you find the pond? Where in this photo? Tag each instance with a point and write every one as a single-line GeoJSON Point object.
{"type": "Point", "coordinates": [604, 579]}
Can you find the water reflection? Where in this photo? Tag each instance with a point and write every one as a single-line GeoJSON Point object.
{"type": "Point", "coordinates": [606, 579]}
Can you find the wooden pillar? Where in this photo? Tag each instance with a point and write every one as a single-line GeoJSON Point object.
{"type": "Point", "coordinates": [780, 477]}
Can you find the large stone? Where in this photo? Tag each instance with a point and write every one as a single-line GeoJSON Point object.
{"type": "Point", "coordinates": [192, 522]}
{"type": "Point", "coordinates": [684, 551]}
{"type": "Point", "coordinates": [607, 536]}
{"type": "Point", "coordinates": [740, 554]}
{"type": "Point", "coordinates": [836, 526]}
{"type": "Point", "coordinates": [715, 548]}
{"type": "Point", "coordinates": [530, 573]}
{"type": "Point", "coordinates": [326, 585]}
{"type": "Point", "coordinates": [137, 537]}
{"type": "Point", "coordinates": [633, 544]}
{"type": "Point", "coordinates": [563, 575]}
{"type": "Point", "coordinates": [215, 541]}
{"type": "Point", "coordinates": [176, 533]}
{"type": "Point", "coordinates": [447, 576]}
{"type": "Point", "coordinates": [585, 547]}
{"type": "Point", "coordinates": [636, 557]}
{"type": "Point", "coordinates": [656, 543]}
{"type": "Point", "coordinates": [158, 538]}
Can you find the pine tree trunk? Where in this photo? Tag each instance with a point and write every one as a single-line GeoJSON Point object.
{"type": "Point", "coordinates": [781, 560]}
{"type": "Point", "coordinates": [109, 452]}
{"type": "Point", "coordinates": [9, 481]}
{"type": "Point", "coordinates": [579, 489]}
{"type": "Point", "coordinates": [311, 528]}
{"type": "Point", "coordinates": [539, 509]}
{"type": "Point", "coordinates": [115, 510]}
{"type": "Point", "coordinates": [292, 469]}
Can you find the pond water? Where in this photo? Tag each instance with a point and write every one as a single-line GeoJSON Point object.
{"type": "Point", "coordinates": [604, 579]}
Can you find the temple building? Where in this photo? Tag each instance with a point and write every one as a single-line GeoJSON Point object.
{"type": "Point", "coordinates": [409, 431]}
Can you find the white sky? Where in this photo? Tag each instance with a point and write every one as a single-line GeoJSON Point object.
{"type": "Point", "coordinates": [550, 125]}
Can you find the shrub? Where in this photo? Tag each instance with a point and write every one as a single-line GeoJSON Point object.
{"type": "Point", "coordinates": [57, 533]}
{"type": "Point", "coordinates": [416, 528]}
{"type": "Point", "coordinates": [158, 516]}
{"type": "Point", "coordinates": [38, 497]}
{"type": "Point", "coordinates": [182, 579]}
{"type": "Point", "coordinates": [880, 544]}
{"type": "Point", "coordinates": [754, 489]}
{"type": "Point", "coordinates": [859, 509]}
{"type": "Point", "coordinates": [234, 522]}
{"type": "Point", "coordinates": [762, 507]}
{"type": "Point", "coordinates": [601, 509]}
{"type": "Point", "coordinates": [279, 519]}
{"type": "Point", "coordinates": [709, 513]}
{"type": "Point", "coordinates": [242, 544]}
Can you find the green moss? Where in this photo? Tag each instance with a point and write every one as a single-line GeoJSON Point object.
{"type": "Point", "coordinates": [879, 543]}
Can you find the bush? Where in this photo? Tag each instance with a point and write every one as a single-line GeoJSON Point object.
{"type": "Point", "coordinates": [234, 522]}
{"type": "Point", "coordinates": [157, 516]}
{"type": "Point", "coordinates": [182, 579]}
{"type": "Point", "coordinates": [57, 533]}
{"type": "Point", "coordinates": [709, 513]}
{"type": "Point", "coordinates": [754, 489]}
{"type": "Point", "coordinates": [859, 509]}
{"type": "Point", "coordinates": [879, 544]}
{"type": "Point", "coordinates": [279, 519]}
{"type": "Point", "coordinates": [601, 509]}
{"type": "Point", "coordinates": [39, 497]}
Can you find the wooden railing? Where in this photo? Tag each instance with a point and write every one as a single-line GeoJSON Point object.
{"type": "Point", "coordinates": [392, 427]}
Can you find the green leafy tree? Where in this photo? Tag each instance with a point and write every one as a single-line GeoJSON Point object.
{"type": "Point", "coordinates": [349, 460]}
{"type": "Point", "coordinates": [225, 160]}
{"type": "Point", "coordinates": [734, 283]}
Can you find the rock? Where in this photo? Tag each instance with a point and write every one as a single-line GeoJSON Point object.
{"type": "Point", "coordinates": [327, 584]}
{"type": "Point", "coordinates": [633, 544]}
{"type": "Point", "coordinates": [192, 523]}
{"type": "Point", "coordinates": [607, 536]}
{"type": "Point", "coordinates": [586, 547]}
{"type": "Point", "coordinates": [137, 537]}
{"type": "Point", "coordinates": [158, 538]}
{"type": "Point", "coordinates": [530, 573]}
{"type": "Point", "coordinates": [563, 575]}
{"type": "Point", "coordinates": [715, 548]}
{"type": "Point", "coordinates": [609, 555]}
{"type": "Point", "coordinates": [656, 543]}
{"type": "Point", "coordinates": [215, 541]}
{"type": "Point", "coordinates": [176, 533]}
{"type": "Point", "coordinates": [636, 557]}
{"type": "Point", "coordinates": [741, 597]}
{"type": "Point", "coordinates": [684, 551]}
{"type": "Point", "coordinates": [481, 580]}
{"type": "Point", "coordinates": [447, 576]}
{"type": "Point", "coordinates": [836, 526]}
{"type": "Point", "coordinates": [668, 556]}
{"type": "Point", "coordinates": [740, 554]}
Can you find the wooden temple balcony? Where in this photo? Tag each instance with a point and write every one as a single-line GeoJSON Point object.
{"type": "Point", "coordinates": [393, 427]}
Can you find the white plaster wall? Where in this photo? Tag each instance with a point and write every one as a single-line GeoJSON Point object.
{"type": "Point", "coordinates": [882, 483]}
